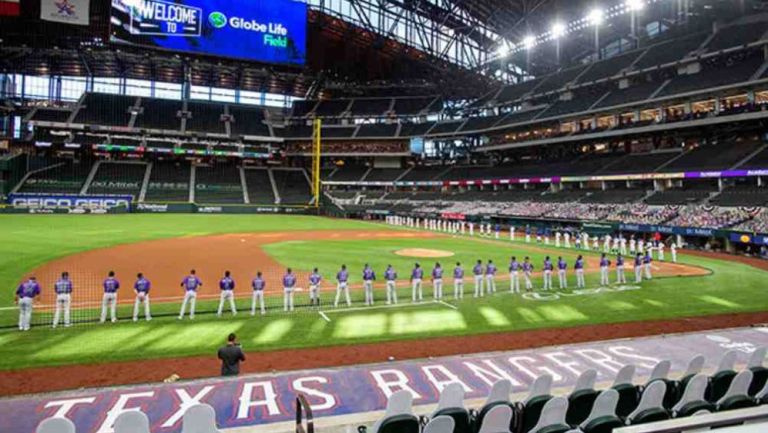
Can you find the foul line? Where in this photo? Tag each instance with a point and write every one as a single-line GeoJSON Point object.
{"type": "Point", "coordinates": [324, 314]}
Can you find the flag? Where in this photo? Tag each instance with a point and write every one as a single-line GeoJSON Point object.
{"type": "Point", "coordinates": [9, 8]}
{"type": "Point", "coordinates": [65, 11]}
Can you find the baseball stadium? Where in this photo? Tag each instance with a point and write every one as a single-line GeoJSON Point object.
{"type": "Point", "coordinates": [427, 216]}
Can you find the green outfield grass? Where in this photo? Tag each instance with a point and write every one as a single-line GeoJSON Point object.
{"type": "Point", "coordinates": [26, 242]}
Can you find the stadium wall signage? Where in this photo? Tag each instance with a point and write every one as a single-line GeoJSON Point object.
{"type": "Point", "coordinates": [269, 398]}
{"type": "Point", "coordinates": [46, 201]}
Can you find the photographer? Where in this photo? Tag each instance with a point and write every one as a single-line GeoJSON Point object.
{"type": "Point", "coordinates": [231, 355]}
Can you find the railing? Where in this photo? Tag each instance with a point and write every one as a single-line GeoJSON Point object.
{"type": "Point", "coordinates": [302, 409]}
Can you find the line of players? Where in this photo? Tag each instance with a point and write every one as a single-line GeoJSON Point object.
{"type": "Point", "coordinates": [484, 281]}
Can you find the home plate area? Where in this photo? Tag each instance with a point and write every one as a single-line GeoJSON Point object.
{"type": "Point", "coordinates": [343, 398]}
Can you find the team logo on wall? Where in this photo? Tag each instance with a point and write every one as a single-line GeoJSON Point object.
{"type": "Point", "coordinates": [65, 11]}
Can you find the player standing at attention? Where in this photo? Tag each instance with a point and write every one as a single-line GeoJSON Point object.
{"type": "Point", "coordinates": [227, 287]}
{"type": "Point", "coordinates": [437, 282]}
{"type": "Point", "coordinates": [314, 288]}
{"type": "Point", "coordinates": [557, 239]}
{"type": "Point", "coordinates": [632, 245]}
{"type": "Point", "coordinates": [141, 288]}
{"type": "Point", "coordinates": [477, 271]}
{"type": "Point", "coordinates": [567, 239]}
{"type": "Point", "coordinates": [623, 245]}
{"type": "Point", "coordinates": [640, 246]}
{"type": "Point", "coordinates": [289, 282]}
{"type": "Point", "coordinates": [258, 284]}
{"type": "Point", "coordinates": [527, 234]}
{"type": "Point", "coordinates": [604, 267]}
{"type": "Point", "coordinates": [416, 276]}
{"type": "Point", "coordinates": [638, 268]}
{"type": "Point", "coordinates": [111, 285]}
{"type": "Point", "coordinates": [25, 297]}
{"type": "Point", "coordinates": [647, 265]}
{"type": "Point", "coordinates": [673, 251]}
{"type": "Point", "coordinates": [548, 267]}
{"type": "Point", "coordinates": [596, 243]}
{"type": "Point", "coordinates": [661, 251]}
{"type": "Point", "coordinates": [527, 270]}
{"type": "Point", "coordinates": [391, 276]}
{"type": "Point", "coordinates": [578, 267]}
{"type": "Point", "coordinates": [368, 278]}
{"type": "Point", "coordinates": [562, 266]}
{"type": "Point", "coordinates": [620, 279]}
{"type": "Point", "coordinates": [342, 286]}
{"type": "Point", "coordinates": [577, 241]}
{"type": "Point", "coordinates": [490, 277]}
{"type": "Point", "coordinates": [190, 283]}
{"type": "Point", "coordinates": [458, 282]}
{"type": "Point", "coordinates": [63, 289]}
{"type": "Point", "coordinates": [514, 277]}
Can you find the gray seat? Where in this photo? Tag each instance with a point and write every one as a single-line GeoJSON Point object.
{"type": "Point", "coordinates": [200, 418]}
{"type": "Point", "coordinates": [497, 420]}
{"type": "Point", "coordinates": [498, 396]}
{"type": "Point", "coordinates": [695, 365]}
{"type": "Point", "coordinates": [451, 404]}
{"type": "Point", "coordinates": [55, 425]}
{"type": "Point", "coordinates": [737, 395]}
{"type": "Point", "coordinates": [552, 419]}
{"type": "Point", "coordinates": [582, 397]}
{"type": "Point", "coordinates": [651, 406]}
{"type": "Point", "coordinates": [629, 395]}
{"type": "Point", "coordinates": [693, 399]}
{"type": "Point", "coordinates": [724, 374]}
{"type": "Point", "coordinates": [399, 415]}
{"type": "Point", "coordinates": [760, 373]}
{"type": "Point", "coordinates": [661, 372]}
{"type": "Point", "coordinates": [538, 396]}
{"type": "Point", "coordinates": [602, 418]}
{"type": "Point", "coordinates": [132, 422]}
{"type": "Point", "coordinates": [440, 424]}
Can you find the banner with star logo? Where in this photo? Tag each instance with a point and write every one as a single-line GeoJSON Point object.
{"type": "Point", "coordinates": [65, 11]}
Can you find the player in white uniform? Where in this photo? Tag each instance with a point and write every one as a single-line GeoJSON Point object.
{"type": "Point", "coordinates": [258, 284]}
{"type": "Point", "coordinates": [596, 243]}
{"type": "Point", "coordinates": [623, 245]}
{"type": "Point", "coordinates": [63, 289]}
{"type": "Point", "coordinates": [141, 288]}
{"type": "Point", "coordinates": [660, 251]}
{"type": "Point", "coordinates": [109, 300]}
{"type": "Point", "coordinates": [227, 287]}
{"type": "Point", "coordinates": [607, 244]}
{"type": "Point", "coordinates": [557, 239]}
{"type": "Point", "coordinates": [458, 281]}
{"type": "Point", "coordinates": [567, 239]}
{"type": "Point", "coordinates": [673, 251]}
{"type": "Point", "coordinates": [390, 276]}
{"type": "Point", "coordinates": [314, 287]}
{"type": "Point", "coordinates": [342, 286]}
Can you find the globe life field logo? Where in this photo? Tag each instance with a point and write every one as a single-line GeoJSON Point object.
{"type": "Point", "coordinates": [217, 20]}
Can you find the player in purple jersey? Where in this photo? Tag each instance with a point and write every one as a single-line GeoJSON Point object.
{"type": "Point", "coordinates": [391, 277]}
{"type": "Point", "coordinates": [578, 268]}
{"type": "Point", "coordinates": [258, 285]}
{"type": "Point", "coordinates": [639, 268]}
{"type": "Point", "coordinates": [289, 284]}
{"type": "Point", "coordinates": [25, 298]}
{"type": "Point", "coordinates": [314, 288]}
{"type": "Point", "coordinates": [647, 264]}
{"type": "Point", "coordinates": [368, 278]}
{"type": "Point", "coordinates": [190, 283]}
{"type": "Point", "coordinates": [562, 268]}
{"type": "Point", "coordinates": [605, 266]}
{"type": "Point", "coordinates": [458, 281]}
{"type": "Point", "coordinates": [490, 277]}
{"type": "Point", "coordinates": [417, 275]}
{"type": "Point", "coordinates": [514, 275]}
{"type": "Point", "coordinates": [527, 271]}
{"type": "Point", "coordinates": [547, 273]}
{"type": "Point", "coordinates": [437, 282]}
{"type": "Point", "coordinates": [141, 288]}
{"type": "Point", "coordinates": [477, 272]}
{"type": "Point", "coordinates": [227, 287]}
{"type": "Point", "coordinates": [620, 279]}
{"type": "Point", "coordinates": [63, 289]}
{"type": "Point", "coordinates": [109, 300]}
{"type": "Point", "coordinates": [342, 286]}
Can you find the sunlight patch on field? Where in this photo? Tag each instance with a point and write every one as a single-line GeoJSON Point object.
{"type": "Point", "coordinates": [361, 325]}
{"type": "Point", "coordinates": [561, 313]}
{"type": "Point", "coordinates": [494, 317]}
{"type": "Point", "coordinates": [274, 331]}
{"type": "Point", "coordinates": [99, 339]}
{"type": "Point", "coordinates": [655, 303]}
{"type": "Point", "coordinates": [529, 315]}
{"type": "Point", "coordinates": [719, 301]}
{"type": "Point", "coordinates": [621, 305]}
{"type": "Point", "coordinates": [426, 321]}
{"type": "Point", "coordinates": [189, 335]}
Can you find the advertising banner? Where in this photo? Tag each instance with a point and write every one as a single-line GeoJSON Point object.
{"type": "Point", "coordinates": [61, 201]}
{"type": "Point", "coordinates": [270, 31]}
{"type": "Point", "coordinates": [65, 11]}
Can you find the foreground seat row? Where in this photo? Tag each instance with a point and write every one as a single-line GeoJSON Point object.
{"type": "Point", "coordinates": [585, 409]}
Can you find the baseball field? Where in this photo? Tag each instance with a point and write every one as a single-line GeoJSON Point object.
{"type": "Point", "coordinates": [165, 247]}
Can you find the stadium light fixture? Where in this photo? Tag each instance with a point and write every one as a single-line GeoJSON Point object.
{"type": "Point", "coordinates": [558, 30]}
{"type": "Point", "coordinates": [529, 42]}
{"type": "Point", "coordinates": [596, 17]}
{"type": "Point", "coordinates": [635, 5]}
{"type": "Point", "coordinates": [503, 50]}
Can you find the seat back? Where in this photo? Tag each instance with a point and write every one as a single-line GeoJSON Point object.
{"type": "Point", "coordinates": [200, 418]}
{"type": "Point", "coordinates": [727, 362]}
{"type": "Point", "coordinates": [604, 406]}
{"type": "Point", "coordinates": [625, 375]}
{"type": "Point", "coordinates": [499, 392]}
{"type": "Point", "coordinates": [532, 411]}
{"type": "Point", "coordinates": [440, 424]}
{"type": "Point", "coordinates": [604, 424]}
{"type": "Point", "coordinates": [695, 365]}
{"type": "Point", "coordinates": [56, 425]}
{"type": "Point", "coordinates": [660, 370]}
{"type": "Point", "coordinates": [552, 414]}
{"type": "Point", "coordinates": [650, 415]}
{"type": "Point", "coordinates": [132, 422]}
{"type": "Point", "coordinates": [405, 423]}
{"type": "Point", "coordinates": [451, 397]}
{"type": "Point", "coordinates": [497, 420]}
{"type": "Point", "coordinates": [399, 404]}
{"type": "Point", "coordinates": [759, 372]}
{"type": "Point", "coordinates": [541, 386]}
{"type": "Point", "coordinates": [652, 398]}
{"type": "Point", "coordinates": [460, 416]}
{"type": "Point", "coordinates": [739, 386]}
{"type": "Point", "coordinates": [629, 397]}
{"type": "Point", "coordinates": [694, 391]}
{"type": "Point", "coordinates": [585, 381]}
{"type": "Point", "coordinates": [580, 403]}
{"type": "Point", "coordinates": [718, 385]}
{"type": "Point", "coordinates": [757, 358]}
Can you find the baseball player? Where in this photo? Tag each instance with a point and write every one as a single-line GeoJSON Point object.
{"type": "Point", "coordinates": [640, 246]}
{"type": "Point", "coordinates": [538, 235]}
{"type": "Point", "coordinates": [289, 283]}
{"type": "Point", "coordinates": [546, 236]}
{"type": "Point", "coordinates": [615, 247]}
{"type": "Point", "coordinates": [647, 265]}
{"type": "Point", "coordinates": [585, 242]}
{"type": "Point", "coordinates": [632, 245]}
{"type": "Point", "coordinates": [620, 279]}
{"type": "Point", "coordinates": [623, 245]}
{"type": "Point", "coordinates": [314, 288]}
{"type": "Point", "coordinates": [437, 282]}
{"type": "Point", "coordinates": [514, 277]}
{"type": "Point", "coordinates": [577, 241]}
{"type": "Point", "coordinates": [390, 275]}
{"type": "Point", "coordinates": [562, 267]}
{"type": "Point", "coordinates": [661, 251]}
{"type": "Point", "coordinates": [342, 286]}
{"type": "Point", "coordinates": [109, 300]}
{"type": "Point", "coordinates": [477, 271]}
{"type": "Point", "coordinates": [548, 267]}
{"type": "Point", "coordinates": [416, 277]}
{"type": "Point", "coordinates": [604, 267]}
{"type": "Point", "coordinates": [527, 270]}
{"type": "Point", "coordinates": [673, 251]}
{"type": "Point", "coordinates": [557, 239]}
{"type": "Point", "coordinates": [578, 268]}
{"type": "Point", "coordinates": [497, 230]}
{"type": "Point", "coordinates": [190, 283]}
{"type": "Point", "coordinates": [258, 285]}
{"type": "Point", "coordinates": [227, 287]}
{"type": "Point", "coordinates": [63, 289]}
{"type": "Point", "coordinates": [25, 298]}
{"type": "Point", "coordinates": [141, 288]}
{"type": "Point", "coordinates": [528, 234]}
{"type": "Point", "coordinates": [368, 278]}
{"type": "Point", "coordinates": [567, 240]}
{"type": "Point", "coordinates": [511, 233]}
{"type": "Point", "coordinates": [596, 243]}
{"type": "Point", "coordinates": [458, 281]}
{"type": "Point", "coordinates": [490, 277]}
{"type": "Point", "coordinates": [638, 268]}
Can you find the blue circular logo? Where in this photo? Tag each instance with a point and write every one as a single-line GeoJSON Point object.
{"type": "Point", "coordinates": [217, 20]}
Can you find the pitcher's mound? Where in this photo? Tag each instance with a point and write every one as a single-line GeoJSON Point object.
{"type": "Point", "coordinates": [423, 253]}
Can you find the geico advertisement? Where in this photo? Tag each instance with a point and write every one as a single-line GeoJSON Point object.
{"type": "Point", "coordinates": [272, 31]}
{"type": "Point", "coordinates": [69, 201]}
